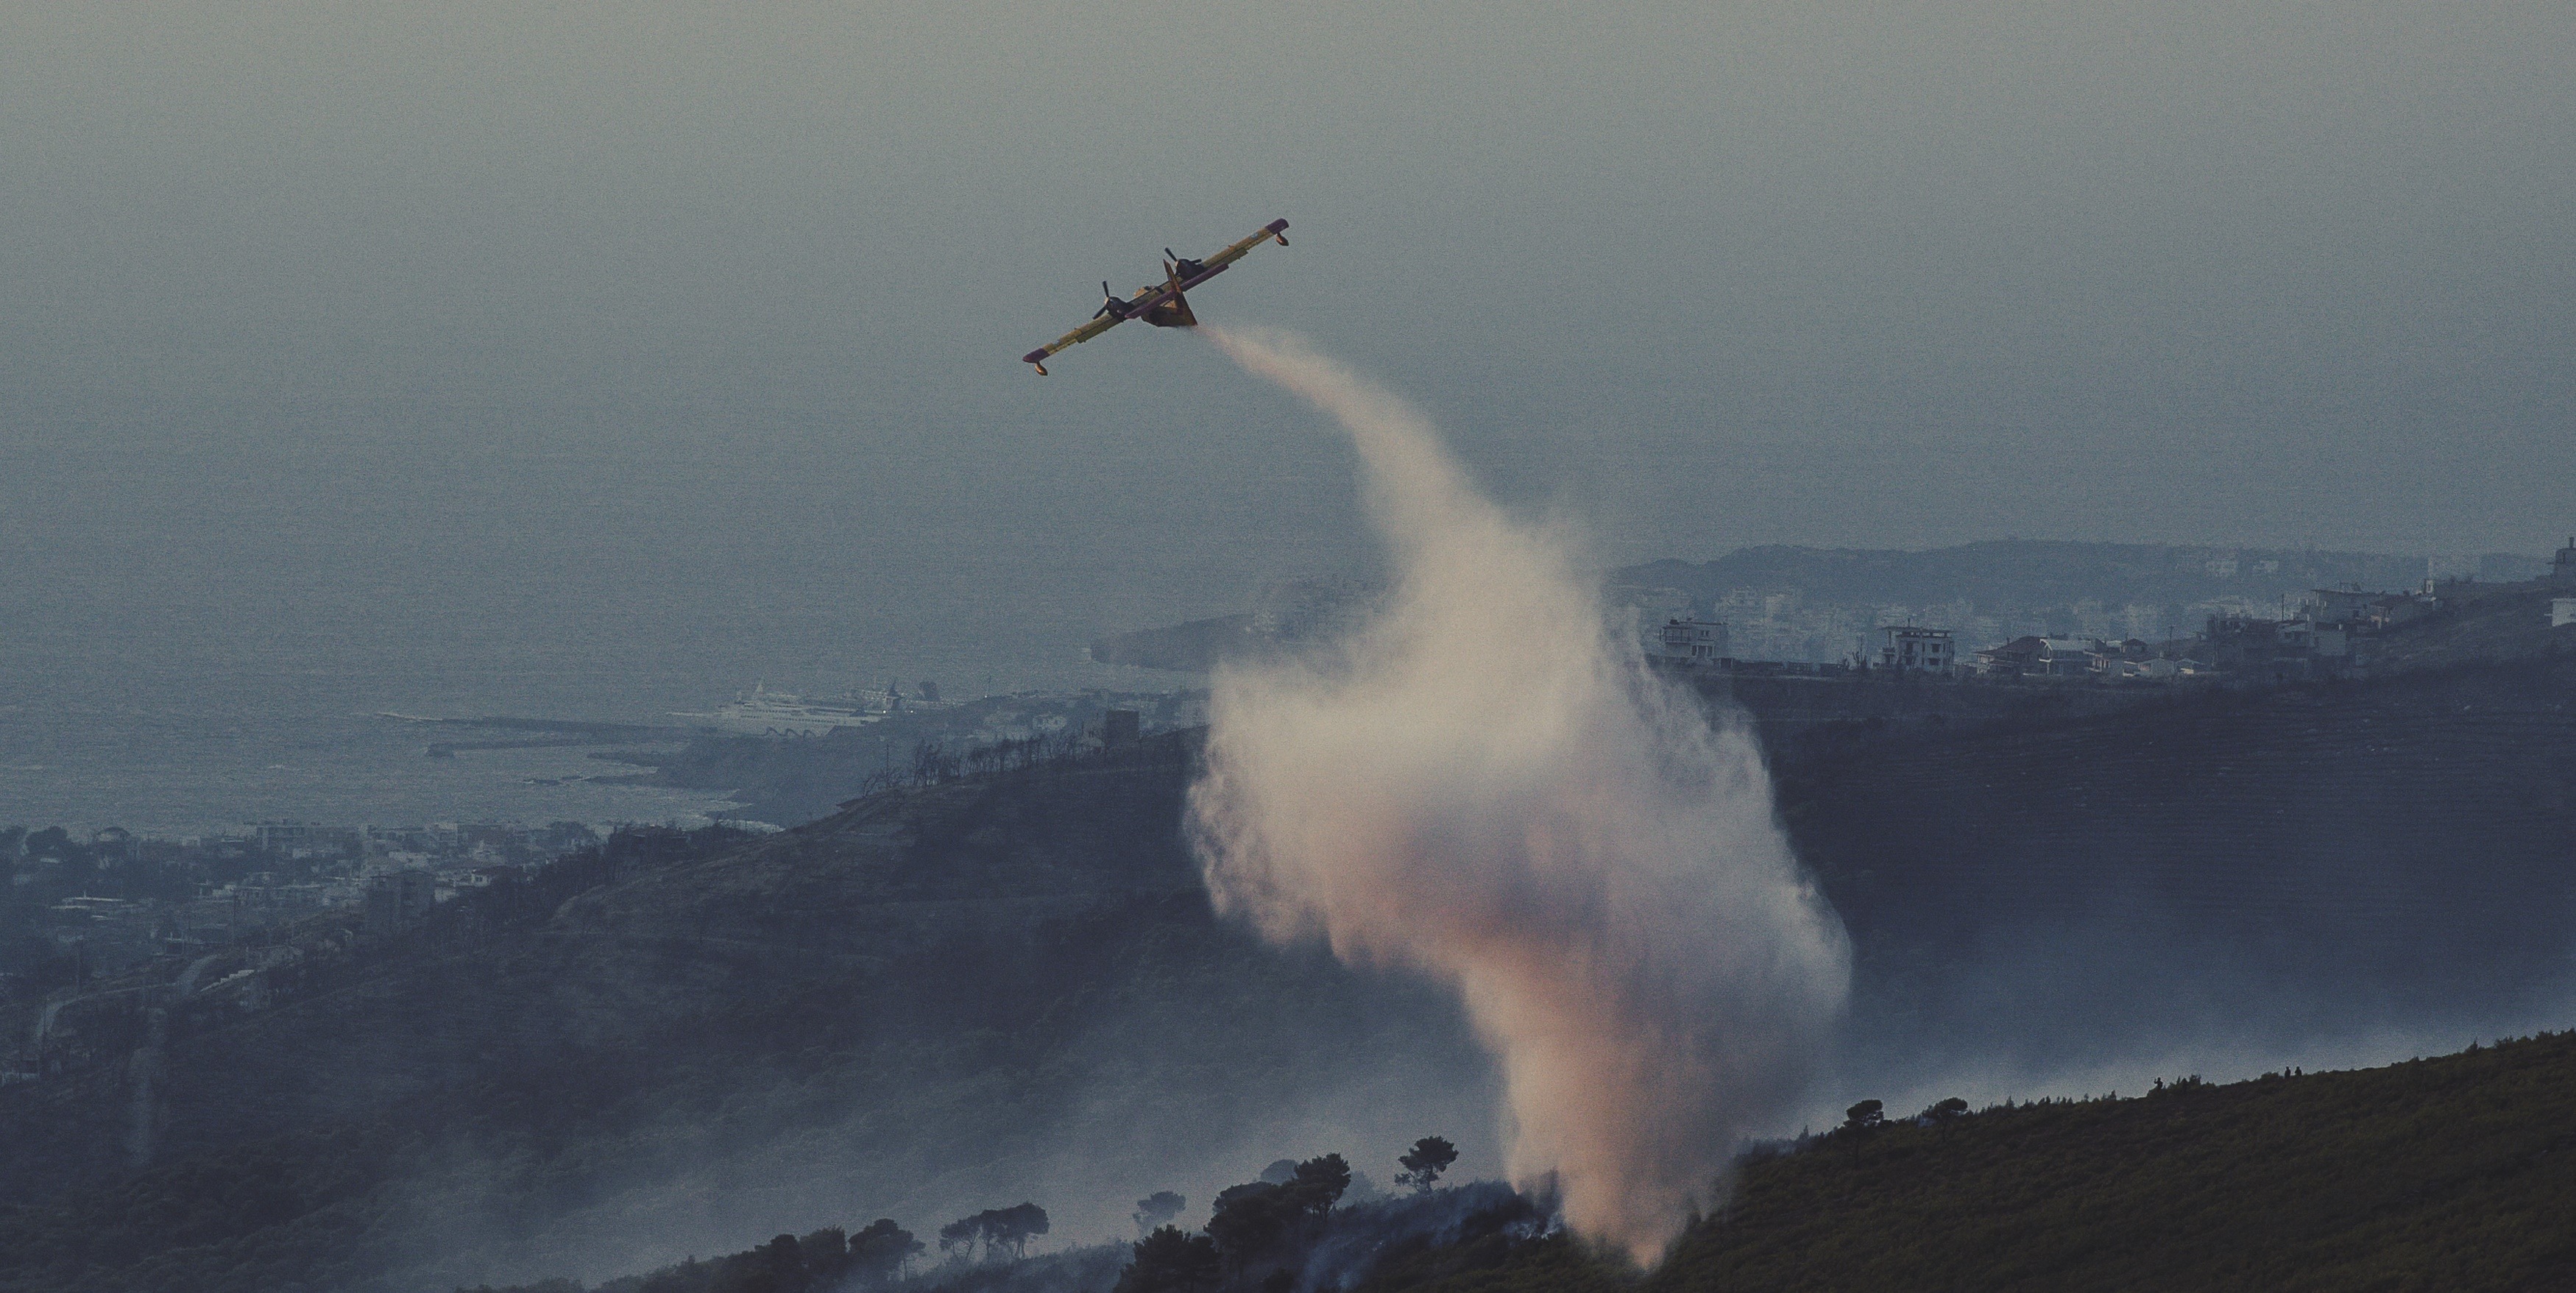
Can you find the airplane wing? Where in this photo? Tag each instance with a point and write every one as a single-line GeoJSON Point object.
{"type": "Point", "coordinates": [1236, 251]}
{"type": "Point", "coordinates": [1155, 295]}
{"type": "Point", "coordinates": [1074, 338]}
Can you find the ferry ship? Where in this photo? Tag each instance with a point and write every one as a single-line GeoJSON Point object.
{"type": "Point", "coordinates": [762, 712]}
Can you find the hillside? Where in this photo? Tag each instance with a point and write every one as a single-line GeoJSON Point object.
{"type": "Point", "coordinates": [2235, 876]}
{"type": "Point", "coordinates": [2455, 1173]}
{"type": "Point", "coordinates": [958, 996]}
{"type": "Point", "coordinates": [945, 995]}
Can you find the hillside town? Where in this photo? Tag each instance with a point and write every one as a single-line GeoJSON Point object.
{"type": "Point", "coordinates": [2317, 633]}
{"type": "Point", "coordinates": [85, 907]}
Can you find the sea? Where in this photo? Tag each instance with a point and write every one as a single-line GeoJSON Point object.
{"type": "Point", "coordinates": [222, 560]}
{"type": "Point", "coordinates": [162, 740]}
{"type": "Point", "coordinates": [171, 717]}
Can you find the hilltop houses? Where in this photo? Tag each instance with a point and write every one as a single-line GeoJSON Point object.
{"type": "Point", "coordinates": [1691, 641]}
{"type": "Point", "coordinates": [2047, 657]}
{"type": "Point", "coordinates": [2353, 608]}
{"type": "Point", "coordinates": [2310, 624]}
{"type": "Point", "coordinates": [1909, 648]}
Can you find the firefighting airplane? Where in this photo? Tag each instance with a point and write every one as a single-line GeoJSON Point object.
{"type": "Point", "coordinates": [1160, 304]}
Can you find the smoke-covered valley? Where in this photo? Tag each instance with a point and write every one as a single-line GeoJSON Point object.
{"type": "Point", "coordinates": [949, 994]}
{"type": "Point", "coordinates": [962, 996]}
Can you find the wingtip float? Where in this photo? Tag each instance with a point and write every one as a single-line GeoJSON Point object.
{"type": "Point", "coordinates": [1161, 304]}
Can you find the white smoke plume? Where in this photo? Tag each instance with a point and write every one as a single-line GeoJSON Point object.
{"type": "Point", "coordinates": [1485, 785]}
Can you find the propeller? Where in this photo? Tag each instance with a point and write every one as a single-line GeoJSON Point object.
{"type": "Point", "coordinates": [1108, 301]}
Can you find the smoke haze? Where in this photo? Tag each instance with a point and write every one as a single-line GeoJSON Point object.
{"type": "Point", "coordinates": [1483, 785]}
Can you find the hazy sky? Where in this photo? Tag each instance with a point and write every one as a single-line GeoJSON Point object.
{"type": "Point", "coordinates": [720, 304]}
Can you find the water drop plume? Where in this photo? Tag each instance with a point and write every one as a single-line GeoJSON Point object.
{"type": "Point", "coordinates": [1486, 785]}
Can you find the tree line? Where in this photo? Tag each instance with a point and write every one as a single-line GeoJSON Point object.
{"type": "Point", "coordinates": [1256, 1230]}
{"type": "Point", "coordinates": [1254, 1236]}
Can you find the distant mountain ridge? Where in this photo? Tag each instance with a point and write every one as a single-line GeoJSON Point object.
{"type": "Point", "coordinates": [2046, 570]}
{"type": "Point", "coordinates": [1796, 603]}
{"type": "Point", "coordinates": [2034, 572]}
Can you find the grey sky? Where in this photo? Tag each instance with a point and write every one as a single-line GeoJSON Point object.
{"type": "Point", "coordinates": [721, 303]}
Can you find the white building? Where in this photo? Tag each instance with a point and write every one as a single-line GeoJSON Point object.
{"type": "Point", "coordinates": [1691, 641]}
{"type": "Point", "coordinates": [2337, 605]}
{"type": "Point", "coordinates": [2330, 640]}
{"type": "Point", "coordinates": [2562, 612]}
{"type": "Point", "coordinates": [1907, 647]}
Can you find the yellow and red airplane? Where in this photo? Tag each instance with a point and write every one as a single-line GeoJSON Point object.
{"type": "Point", "coordinates": [1160, 304]}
